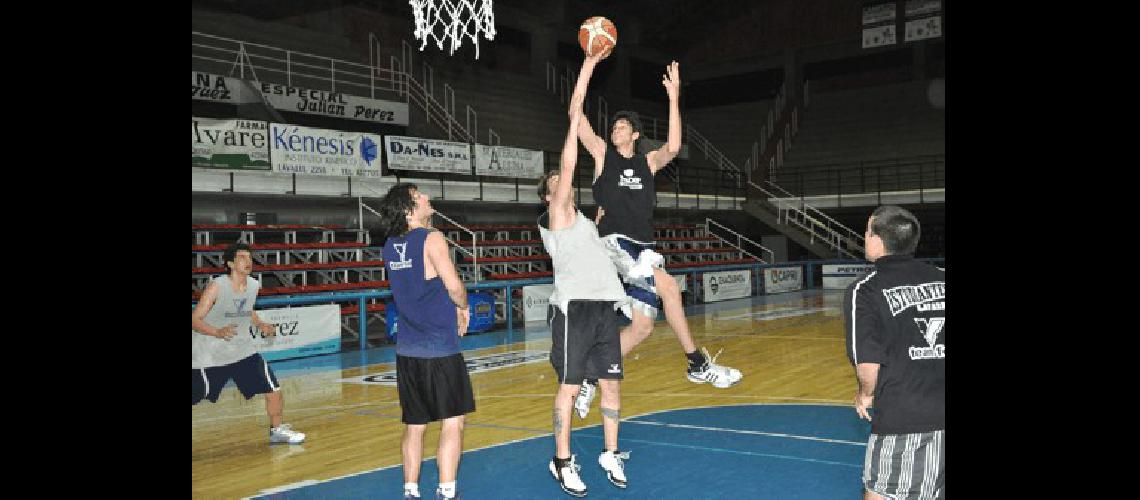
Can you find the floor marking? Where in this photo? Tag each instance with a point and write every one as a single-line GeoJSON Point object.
{"type": "Point", "coordinates": [741, 431]}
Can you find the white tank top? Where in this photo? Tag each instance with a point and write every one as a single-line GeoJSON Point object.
{"type": "Point", "coordinates": [582, 269]}
{"type": "Point", "coordinates": [230, 307]}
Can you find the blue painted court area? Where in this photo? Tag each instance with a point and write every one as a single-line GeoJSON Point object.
{"type": "Point", "coordinates": [746, 451]}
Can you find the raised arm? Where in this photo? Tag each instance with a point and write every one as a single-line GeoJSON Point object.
{"type": "Point", "coordinates": [665, 154]}
{"type": "Point", "coordinates": [592, 142]}
{"type": "Point", "coordinates": [559, 199]}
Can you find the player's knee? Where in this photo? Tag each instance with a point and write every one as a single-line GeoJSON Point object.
{"type": "Point", "coordinates": [610, 392]}
{"type": "Point", "coordinates": [641, 330]}
{"type": "Point", "coordinates": [454, 424]}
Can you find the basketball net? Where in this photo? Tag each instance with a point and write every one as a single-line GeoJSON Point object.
{"type": "Point", "coordinates": [453, 20]}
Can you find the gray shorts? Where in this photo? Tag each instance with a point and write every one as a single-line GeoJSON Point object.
{"type": "Point", "coordinates": [906, 466]}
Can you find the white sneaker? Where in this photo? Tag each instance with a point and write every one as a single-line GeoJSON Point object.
{"type": "Point", "coordinates": [285, 434]}
{"type": "Point", "coordinates": [613, 463]}
{"type": "Point", "coordinates": [568, 477]}
{"type": "Point", "coordinates": [718, 375]}
{"type": "Point", "coordinates": [586, 395]}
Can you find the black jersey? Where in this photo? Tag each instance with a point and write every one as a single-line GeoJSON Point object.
{"type": "Point", "coordinates": [896, 317]}
{"type": "Point", "coordinates": [626, 191]}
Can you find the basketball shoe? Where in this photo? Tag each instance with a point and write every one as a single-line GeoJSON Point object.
{"type": "Point", "coordinates": [568, 478]}
{"type": "Point", "coordinates": [586, 395]}
{"type": "Point", "coordinates": [285, 434]}
{"type": "Point", "coordinates": [719, 376]}
{"type": "Point", "coordinates": [613, 463]}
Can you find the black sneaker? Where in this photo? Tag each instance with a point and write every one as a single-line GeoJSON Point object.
{"type": "Point", "coordinates": [568, 478]}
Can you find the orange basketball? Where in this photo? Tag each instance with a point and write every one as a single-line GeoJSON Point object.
{"type": "Point", "coordinates": [596, 35]}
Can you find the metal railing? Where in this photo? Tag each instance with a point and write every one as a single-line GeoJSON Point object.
{"type": "Point", "coordinates": [740, 239]}
{"type": "Point", "coordinates": [292, 67]}
{"type": "Point", "coordinates": [473, 253]}
{"type": "Point", "coordinates": [895, 174]}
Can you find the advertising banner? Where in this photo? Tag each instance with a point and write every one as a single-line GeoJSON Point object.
{"type": "Point", "coordinates": [427, 155]}
{"type": "Point", "coordinates": [301, 331]}
{"type": "Point", "coordinates": [501, 161]}
{"type": "Point", "coordinates": [315, 151]}
{"type": "Point", "coordinates": [783, 279]}
{"type": "Point", "coordinates": [217, 88]}
{"type": "Point", "coordinates": [229, 144]}
{"type": "Point", "coordinates": [838, 276]}
{"type": "Point", "coordinates": [727, 285]}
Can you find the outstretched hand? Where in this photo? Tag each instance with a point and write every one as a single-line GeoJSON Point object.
{"type": "Point", "coordinates": [672, 80]}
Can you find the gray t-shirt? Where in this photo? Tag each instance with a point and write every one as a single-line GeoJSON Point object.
{"type": "Point", "coordinates": [231, 307]}
{"type": "Point", "coordinates": [582, 269]}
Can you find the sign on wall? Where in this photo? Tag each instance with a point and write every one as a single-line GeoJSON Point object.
{"type": "Point", "coordinates": [839, 276]}
{"type": "Point", "coordinates": [217, 88]}
{"type": "Point", "coordinates": [921, 29]}
{"type": "Point", "coordinates": [427, 155]}
{"type": "Point", "coordinates": [727, 285]}
{"type": "Point", "coordinates": [501, 161]}
{"type": "Point", "coordinates": [880, 36]}
{"type": "Point", "coordinates": [883, 12]}
{"type": "Point", "coordinates": [315, 151]}
{"type": "Point", "coordinates": [301, 331]}
{"type": "Point", "coordinates": [536, 299]}
{"type": "Point", "coordinates": [783, 279]}
{"type": "Point", "coordinates": [229, 144]}
{"type": "Point", "coordinates": [922, 7]}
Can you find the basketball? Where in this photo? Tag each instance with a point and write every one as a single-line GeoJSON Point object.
{"type": "Point", "coordinates": [596, 35]}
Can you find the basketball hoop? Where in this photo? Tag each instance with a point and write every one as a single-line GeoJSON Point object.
{"type": "Point", "coordinates": [453, 19]}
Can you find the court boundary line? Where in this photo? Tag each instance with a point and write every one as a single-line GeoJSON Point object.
{"type": "Point", "coordinates": [736, 452]}
{"type": "Point", "coordinates": [312, 482]}
{"type": "Point", "coordinates": [741, 431]}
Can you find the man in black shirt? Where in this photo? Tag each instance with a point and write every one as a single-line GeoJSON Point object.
{"type": "Point", "coordinates": [624, 191]}
{"type": "Point", "coordinates": [896, 339]}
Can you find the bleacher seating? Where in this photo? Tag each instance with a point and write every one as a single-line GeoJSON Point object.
{"type": "Point", "coordinates": [868, 124]}
{"type": "Point", "coordinates": [289, 253]}
{"type": "Point", "coordinates": [505, 252]}
{"type": "Point", "coordinates": [213, 234]}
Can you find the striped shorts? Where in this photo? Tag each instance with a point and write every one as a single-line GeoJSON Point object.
{"type": "Point", "coordinates": [906, 466]}
{"type": "Point", "coordinates": [627, 254]}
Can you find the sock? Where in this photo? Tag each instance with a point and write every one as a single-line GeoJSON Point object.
{"type": "Point", "coordinates": [559, 463]}
{"type": "Point", "coordinates": [696, 359]}
{"type": "Point", "coordinates": [412, 489]}
{"type": "Point", "coordinates": [447, 489]}
{"type": "Point", "coordinates": [592, 381]}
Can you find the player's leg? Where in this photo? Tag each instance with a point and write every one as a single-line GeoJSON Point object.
{"type": "Point", "coordinates": [605, 363]}
{"type": "Point", "coordinates": [670, 295]}
{"type": "Point", "coordinates": [275, 407]}
{"type": "Point", "coordinates": [412, 450]}
{"type": "Point", "coordinates": [450, 449]}
{"type": "Point", "coordinates": [639, 328]}
{"type": "Point", "coordinates": [253, 376]}
{"type": "Point", "coordinates": [454, 399]}
{"type": "Point", "coordinates": [567, 356]}
{"type": "Point", "coordinates": [415, 415]}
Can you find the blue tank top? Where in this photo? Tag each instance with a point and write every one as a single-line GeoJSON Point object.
{"type": "Point", "coordinates": [427, 327]}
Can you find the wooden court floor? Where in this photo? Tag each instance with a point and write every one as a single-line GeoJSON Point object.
{"type": "Point", "coordinates": [789, 352]}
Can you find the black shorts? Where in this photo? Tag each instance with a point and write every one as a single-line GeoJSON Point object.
{"type": "Point", "coordinates": [433, 388]}
{"type": "Point", "coordinates": [586, 342]}
{"type": "Point", "coordinates": [252, 375]}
